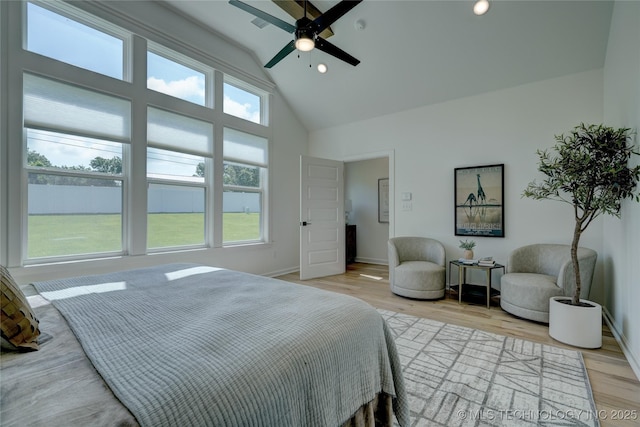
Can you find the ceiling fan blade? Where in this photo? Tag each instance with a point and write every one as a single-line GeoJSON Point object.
{"type": "Point", "coordinates": [290, 47]}
{"type": "Point", "coordinates": [262, 15]}
{"type": "Point", "coordinates": [333, 50]}
{"type": "Point", "coordinates": [333, 14]}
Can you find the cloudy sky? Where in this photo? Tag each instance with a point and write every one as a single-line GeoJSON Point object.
{"type": "Point", "coordinates": [58, 37]}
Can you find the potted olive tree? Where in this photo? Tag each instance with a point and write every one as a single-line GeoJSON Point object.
{"type": "Point", "coordinates": [590, 171]}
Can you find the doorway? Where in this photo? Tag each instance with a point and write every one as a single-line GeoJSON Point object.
{"type": "Point", "coordinates": [366, 169]}
{"type": "Point", "coordinates": [373, 227]}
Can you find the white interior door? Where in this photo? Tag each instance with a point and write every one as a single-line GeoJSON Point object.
{"type": "Point", "coordinates": [322, 245]}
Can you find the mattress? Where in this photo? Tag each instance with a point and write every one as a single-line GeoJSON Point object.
{"type": "Point", "coordinates": [185, 344]}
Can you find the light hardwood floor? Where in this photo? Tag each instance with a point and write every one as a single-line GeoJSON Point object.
{"type": "Point", "coordinates": [615, 387]}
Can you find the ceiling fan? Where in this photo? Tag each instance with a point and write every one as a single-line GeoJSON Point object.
{"type": "Point", "coordinates": [306, 31]}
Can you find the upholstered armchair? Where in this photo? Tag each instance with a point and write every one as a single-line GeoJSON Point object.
{"type": "Point", "coordinates": [535, 273]}
{"type": "Point", "coordinates": [416, 267]}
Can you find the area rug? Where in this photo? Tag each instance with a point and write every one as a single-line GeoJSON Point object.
{"type": "Point", "coordinates": [457, 376]}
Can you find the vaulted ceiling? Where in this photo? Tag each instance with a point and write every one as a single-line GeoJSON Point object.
{"type": "Point", "coordinates": [417, 52]}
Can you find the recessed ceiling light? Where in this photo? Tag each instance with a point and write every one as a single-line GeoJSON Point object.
{"type": "Point", "coordinates": [481, 7]}
{"type": "Point", "coordinates": [322, 68]}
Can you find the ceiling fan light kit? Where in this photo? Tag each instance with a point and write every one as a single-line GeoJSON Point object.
{"type": "Point", "coordinates": [306, 31]}
{"type": "Point", "coordinates": [305, 44]}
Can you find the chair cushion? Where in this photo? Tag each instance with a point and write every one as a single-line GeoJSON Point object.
{"type": "Point", "coordinates": [420, 275]}
{"type": "Point", "coordinates": [529, 290]}
{"type": "Point", "coordinates": [20, 327]}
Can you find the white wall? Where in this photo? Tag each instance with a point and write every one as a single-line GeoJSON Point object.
{"type": "Point", "coordinates": [361, 186]}
{"type": "Point", "coordinates": [505, 126]}
{"type": "Point", "coordinates": [621, 249]}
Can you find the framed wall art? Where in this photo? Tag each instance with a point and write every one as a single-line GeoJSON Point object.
{"type": "Point", "coordinates": [383, 200]}
{"type": "Point", "coordinates": [479, 201]}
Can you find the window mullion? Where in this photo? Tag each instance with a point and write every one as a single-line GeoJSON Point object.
{"type": "Point", "coordinates": [218, 161]}
{"type": "Point", "coordinates": [136, 198]}
{"type": "Point", "coordinates": [243, 188]}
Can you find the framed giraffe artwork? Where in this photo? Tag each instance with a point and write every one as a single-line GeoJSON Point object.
{"type": "Point", "coordinates": [479, 201]}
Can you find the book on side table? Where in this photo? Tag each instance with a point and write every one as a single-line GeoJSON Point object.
{"type": "Point", "coordinates": [486, 262]}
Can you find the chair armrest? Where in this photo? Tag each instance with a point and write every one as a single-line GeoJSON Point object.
{"type": "Point", "coordinates": [566, 277]}
{"type": "Point", "coordinates": [392, 253]}
{"type": "Point", "coordinates": [437, 253]}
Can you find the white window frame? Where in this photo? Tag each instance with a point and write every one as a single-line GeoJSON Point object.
{"type": "Point", "coordinates": [263, 95]}
{"type": "Point", "coordinates": [123, 178]}
{"type": "Point", "coordinates": [138, 36]}
{"type": "Point", "coordinates": [89, 20]}
{"type": "Point", "coordinates": [188, 62]}
{"type": "Point", "coordinates": [206, 185]}
{"type": "Point", "coordinates": [262, 190]}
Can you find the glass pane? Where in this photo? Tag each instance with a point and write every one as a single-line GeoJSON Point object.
{"type": "Point", "coordinates": [240, 103]}
{"type": "Point", "coordinates": [246, 176]}
{"type": "Point", "coordinates": [172, 78]}
{"type": "Point", "coordinates": [164, 164]}
{"type": "Point", "coordinates": [170, 130]}
{"type": "Point", "coordinates": [73, 216]}
{"type": "Point", "coordinates": [66, 40]}
{"type": "Point", "coordinates": [244, 146]}
{"type": "Point", "coordinates": [57, 150]}
{"type": "Point", "coordinates": [242, 216]}
{"type": "Point", "coordinates": [176, 216]}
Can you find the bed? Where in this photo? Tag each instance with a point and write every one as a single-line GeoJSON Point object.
{"type": "Point", "coordinates": [186, 344]}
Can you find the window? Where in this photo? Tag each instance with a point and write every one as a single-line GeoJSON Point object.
{"type": "Point", "coordinates": [67, 40]}
{"type": "Point", "coordinates": [75, 195]}
{"type": "Point", "coordinates": [180, 148]}
{"type": "Point", "coordinates": [243, 103]}
{"type": "Point", "coordinates": [245, 172]}
{"type": "Point", "coordinates": [73, 215]}
{"type": "Point", "coordinates": [171, 77]}
{"type": "Point", "coordinates": [83, 152]}
{"type": "Point", "coordinates": [74, 147]}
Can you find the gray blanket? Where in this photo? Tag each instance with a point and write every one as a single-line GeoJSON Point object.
{"type": "Point", "coordinates": [185, 345]}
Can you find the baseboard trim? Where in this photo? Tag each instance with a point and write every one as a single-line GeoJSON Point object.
{"type": "Point", "coordinates": [372, 261]}
{"type": "Point", "coordinates": [622, 341]}
{"type": "Point", "coordinates": [282, 272]}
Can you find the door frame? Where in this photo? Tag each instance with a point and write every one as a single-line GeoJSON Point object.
{"type": "Point", "coordinates": [390, 155]}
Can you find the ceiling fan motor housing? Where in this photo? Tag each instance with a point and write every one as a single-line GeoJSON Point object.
{"type": "Point", "coordinates": [304, 29]}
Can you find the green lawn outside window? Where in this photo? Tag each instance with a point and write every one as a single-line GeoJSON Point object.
{"type": "Point", "coordinates": [60, 235]}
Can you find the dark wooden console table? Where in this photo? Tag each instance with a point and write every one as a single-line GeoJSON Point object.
{"type": "Point", "coordinates": [350, 241]}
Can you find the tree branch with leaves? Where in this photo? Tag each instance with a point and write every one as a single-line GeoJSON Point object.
{"type": "Point", "coordinates": [588, 168]}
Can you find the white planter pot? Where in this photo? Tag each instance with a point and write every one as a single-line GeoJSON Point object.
{"type": "Point", "coordinates": [576, 325]}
